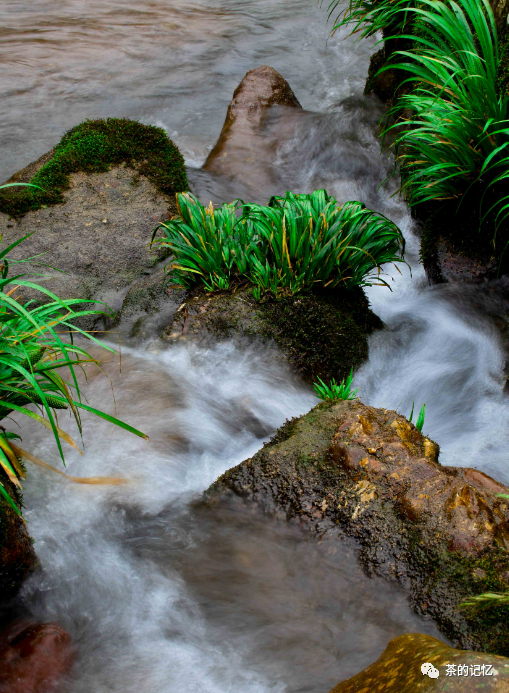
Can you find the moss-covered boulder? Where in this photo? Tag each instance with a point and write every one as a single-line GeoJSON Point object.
{"type": "Point", "coordinates": [321, 334]}
{"type": "Point", "coordinates": [350, 470]}
{"type": "Point", "coordinates": [94, 147]}
{"type": "Point", "coordinates": [398, 670]}
{"type": "Point", "coordinates": [106, 185]}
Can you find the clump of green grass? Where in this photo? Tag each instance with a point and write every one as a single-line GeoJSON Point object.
{"type": "Point", "coordinates": [420, 417]}
{"type": "Point", "coordinates": [94, 146]}
{"type": "Point", "coordinates": [334, 391]}
{"type": "Point", "coordinates": [371, 16]}
{"type": "Point", "coordinates": [296, 242]}
{"type": "Point", "coordinates": [455, 142]}
{"type": "Point", "coordinates": [32, 351]}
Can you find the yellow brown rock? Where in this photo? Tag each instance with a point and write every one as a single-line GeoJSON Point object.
{"type": "Point", "coordinates": [442, 532]}
{"type": "Point", "coordinates": [398, 670]}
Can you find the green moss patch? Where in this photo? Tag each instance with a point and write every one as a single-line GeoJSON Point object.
{"type": "Point", "coordinates": [324, 333]}
{"type": "Point", "coordinates": [93, 147]}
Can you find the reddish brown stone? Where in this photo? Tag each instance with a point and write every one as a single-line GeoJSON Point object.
{"type": "Point", "coordinates": [35, 659]}
{"type": "Point", "coordinates": [411, 515]}
{"type": "Point", "coordinates": [485, 481]}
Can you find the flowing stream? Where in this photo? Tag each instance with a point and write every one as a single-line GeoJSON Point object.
{"type": "Point", "coordinates": [158, 593]}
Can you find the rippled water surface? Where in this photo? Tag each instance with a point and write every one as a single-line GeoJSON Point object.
{"type": "Point", "coordinates": [174, 64]}
{"type": "Point", "coordinates": [159, 593]}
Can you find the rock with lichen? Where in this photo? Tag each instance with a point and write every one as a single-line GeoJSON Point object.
{"type": "Point", "coordinates": [350, 470]}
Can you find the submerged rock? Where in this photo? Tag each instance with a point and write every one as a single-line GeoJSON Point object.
{"type": "Point", "coordinates": [398, 670]}
{"type": "Point", "coordinates": [366, 473]}
{"type": "Point", "coordinates": [34, 659]}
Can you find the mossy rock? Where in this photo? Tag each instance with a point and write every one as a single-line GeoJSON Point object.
{"type": "Point", "coordinates": [114, 181]}
{"type": "Point", "coordinates": [346, 470]}
{"type": "Point", "coordinates": [321, 334]}
{"type": "Point", "coordinates": [94, 147]}
{"type": "Point", "coordinates": [398, 670]}
{"type": "Point", "coordinates": [17, 556]}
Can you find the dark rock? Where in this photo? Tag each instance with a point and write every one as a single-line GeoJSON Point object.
{"type": "Point", "coordinates": [321, 334]}
{"type": "Point", "coordinates": [451, 266]}
{"type": "Point", "coordinates": [34, 658]}
{"type": "Point", "coordinates": [398, 669]}
{"type": "Point", "coordinates": [17, 556]}
{"type": "Point", "coordinates": [369, 474]}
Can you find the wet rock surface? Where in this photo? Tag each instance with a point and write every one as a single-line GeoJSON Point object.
{"type": "Point", "coordinates": [17, 556]}
{"type": "Point", "coordinates": [398, 669]}
{"type": "Point", "coordinates": [258, 91]}
{"type": "Point", "coordinates": [366, 473]}
{"type": "Point", "coordinates": [98, 238]}
{"type": "Point", "coordinates": [447, 265]}
{"type": "Point", "coordinates": [245, 152]}
{"type": "Point", "coordinates": [34, 658]}
{"type": "Point", "coordinates": [320, 334]}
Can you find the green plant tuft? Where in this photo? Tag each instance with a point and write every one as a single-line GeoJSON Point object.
{"type": "Point", "coordinates": [420, 417]}
{"type": "Point", "coordinates": [334, 391]}
{"type": "Point", "coordinates": [297, 242]}
{"type": "Point", "coordinates": [455, 143]}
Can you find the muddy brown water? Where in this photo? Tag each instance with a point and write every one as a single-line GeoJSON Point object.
{"type": "Point", "coordinates": [158, 594]}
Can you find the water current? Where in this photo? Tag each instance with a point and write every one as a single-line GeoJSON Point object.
{"type": "Point", "coordinates": [159, 594]}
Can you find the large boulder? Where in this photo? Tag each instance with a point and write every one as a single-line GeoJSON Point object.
{"type": "Point", "coordinates": [398, 670]}
{"type": "Point", "coordinates": [106, 187]}
{"type": "Point", "coordinates": [321, 334]}
{"type": "Point", "coordinates": [350, 470]}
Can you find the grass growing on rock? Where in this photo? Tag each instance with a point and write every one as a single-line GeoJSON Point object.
{"type": "Point", "coordinates": [93, 147]}
{"type": "Point", "coordinates": [446, 74]}
{"type": "Point", "coordinates": [294, 243]}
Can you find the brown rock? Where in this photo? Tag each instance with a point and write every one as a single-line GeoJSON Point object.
{"type": "Point", "coordinates": [398, 670]}
{"type": "Point", "coordinates": [482, 480]}
{"type": "Point", "coordinates": [241, 145]}
{"type": "Point", "coordinates": [434, 528]}
{"type": "Point", "coordinates": [17, 556]}
{"type": "Point", "coordinates": [34, 659]}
